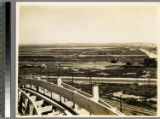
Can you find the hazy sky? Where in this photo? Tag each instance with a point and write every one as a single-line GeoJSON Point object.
{"type": "Point", "coordinates": [50, 23]}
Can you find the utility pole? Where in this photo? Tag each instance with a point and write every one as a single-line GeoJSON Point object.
{"type": "Point", "coordinates": [72, 77]}
{"type": "Point", "coordinates": [40, 72]}
{"type": "Point", "coordinates": [90, 76]}
{"type": "Point", "coordinates": [149, 90]}
{"type": "Point", "coordinates": [120, 103]}
{"type": "Point", "coordinates": [48, 74]}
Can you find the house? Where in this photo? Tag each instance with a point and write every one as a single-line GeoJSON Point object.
{"type": "Point", "coordinates": [43, 66]}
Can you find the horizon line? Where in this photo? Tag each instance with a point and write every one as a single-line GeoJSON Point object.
{"type": "Point", "coordinates": [86, 43]}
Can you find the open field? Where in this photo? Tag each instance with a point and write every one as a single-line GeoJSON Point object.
{"type": "Point", "coordinates": [119, 69]}
{"type": "Point", "coordinates": [101, 61]}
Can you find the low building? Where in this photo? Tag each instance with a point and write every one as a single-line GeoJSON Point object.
{"type": "Point", "coordinates": [43, 66]}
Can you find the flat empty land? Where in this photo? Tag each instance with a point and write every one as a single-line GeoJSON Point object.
{"type": "Point", "coordinates": [112, 63]}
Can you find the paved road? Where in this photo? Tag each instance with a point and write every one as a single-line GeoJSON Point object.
{"type": "Point", "coordinates": [105, 80]}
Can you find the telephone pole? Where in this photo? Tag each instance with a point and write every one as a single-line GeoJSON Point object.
{"type": "Point", "coordinates": [90, 76]}
{"type": "Point", "coordinates": [48, 74]}
{"type": "Point", "coordinates": [120, 103]}
{"type": "Point", "coordinates": [72, 77]}
{"type": "Point", "coordinates": [40, 72]}
{"type": "Point", "coordinates": [149, 90]}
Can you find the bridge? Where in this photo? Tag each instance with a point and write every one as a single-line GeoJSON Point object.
{"type": "Point", "coordinates": [43, 98]}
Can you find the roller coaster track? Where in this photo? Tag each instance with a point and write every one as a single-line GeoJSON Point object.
{"type": "Point", "coordinates": [43, 105]}
{"type": "Point", "coordinates": [42, 98]}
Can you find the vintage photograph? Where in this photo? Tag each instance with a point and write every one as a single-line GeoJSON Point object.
{"type": "Point", "coordinates": [86, 59]}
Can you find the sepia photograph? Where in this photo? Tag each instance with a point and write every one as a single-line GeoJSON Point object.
{"type": "Point", "coordinates": [86, 59]}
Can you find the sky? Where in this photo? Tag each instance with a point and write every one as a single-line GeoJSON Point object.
{"type": "Point", "coordinates": [86, 22]}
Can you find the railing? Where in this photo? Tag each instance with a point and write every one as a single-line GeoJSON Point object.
{"type": "Point", "coordinates": [75, 89]}
{"type": "Point", "coordinates": [80, 99]}
{"type": "Point", "coordinates": [89, 95]}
